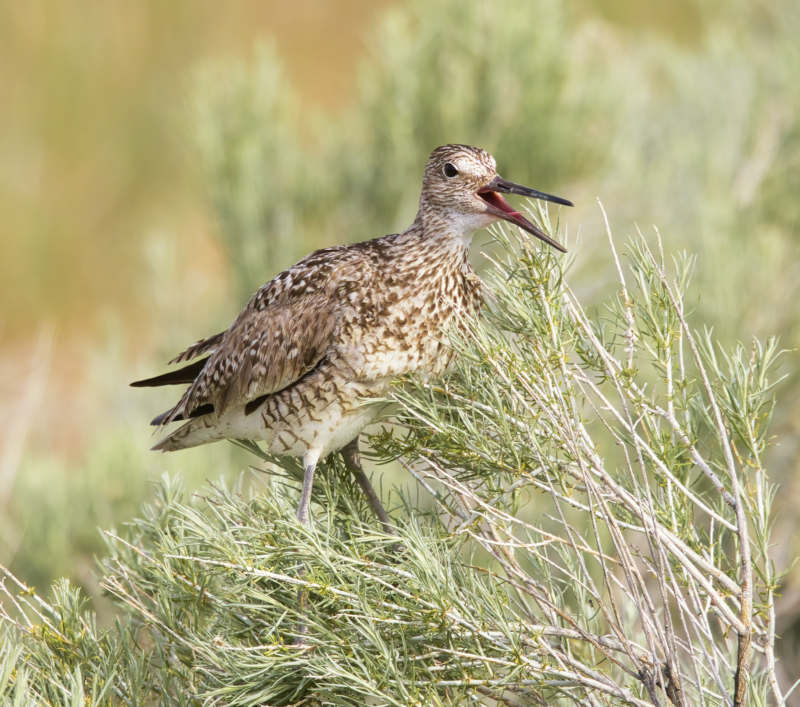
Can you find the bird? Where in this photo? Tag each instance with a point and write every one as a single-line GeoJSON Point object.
{"type": "Point", "coordinates": [305, 365]}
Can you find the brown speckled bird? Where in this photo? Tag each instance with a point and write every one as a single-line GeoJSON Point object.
{"type": "Point", "coordinates": [298, 367]}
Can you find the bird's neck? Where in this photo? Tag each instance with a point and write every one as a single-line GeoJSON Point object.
{"type": "Point", "coordinates": [436, 243]}
{"type": "Point", "coordinates": [445, 230]}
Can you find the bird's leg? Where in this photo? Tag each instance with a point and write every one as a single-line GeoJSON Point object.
{"type": "Point", "coordinates": [305, 494]}
{"type": "Point", "coordinates": [352, 461]}
{"type": "Point", "coordinates": [310, 459]}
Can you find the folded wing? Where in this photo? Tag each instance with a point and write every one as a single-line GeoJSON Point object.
{"type": "Point", "coordinates": [282, 334]}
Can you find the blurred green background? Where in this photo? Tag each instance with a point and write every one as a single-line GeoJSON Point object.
{"type": "Point", "coordinates": [161, 160]}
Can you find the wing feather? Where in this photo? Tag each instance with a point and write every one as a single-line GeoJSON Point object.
{"type": "Point", "coordinates": [282, 334]}
{"type": "Point", "coordinates": [199, 348]}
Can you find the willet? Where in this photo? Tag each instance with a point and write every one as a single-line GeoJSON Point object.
{"type": "Point", "coordinates": [298, 367]}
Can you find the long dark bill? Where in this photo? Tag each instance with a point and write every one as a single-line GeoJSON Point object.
{"type": "Point", "coordinates": [500, 207]}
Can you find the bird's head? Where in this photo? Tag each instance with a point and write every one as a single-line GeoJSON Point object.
{"type": "Point", "coordinates": [461, 182]}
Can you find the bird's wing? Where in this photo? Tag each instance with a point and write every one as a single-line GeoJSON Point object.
{"type": "Point", "coordinates": [266, 353]}
{"type": "Point", "coordinates": [282, 334]}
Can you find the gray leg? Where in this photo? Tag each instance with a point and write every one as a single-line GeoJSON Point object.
{"type": "Point", "coordinates": [310, 459]}
{"type": "Point", "coordinates": [310, 464]}
{"type": "Point", "coordinates": [352, 460]}
{"type": "Point", "coordinates": [305, 495]}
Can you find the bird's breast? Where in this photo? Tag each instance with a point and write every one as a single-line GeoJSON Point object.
{"type": "Point", "coordinates": [404, 329]}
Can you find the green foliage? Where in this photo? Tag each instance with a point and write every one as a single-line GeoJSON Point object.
{"type": "Point", "coordinates": [57, 508]}
{"type": "Point", "coordinates": [598, 529]}
{"type": "Point", "coordinates": [56, 655]}
{"type": "Point", "coordinates": [704, 144]}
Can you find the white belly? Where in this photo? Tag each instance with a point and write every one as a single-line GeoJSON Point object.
{"type": "Point", "coordinates": [286, 425]}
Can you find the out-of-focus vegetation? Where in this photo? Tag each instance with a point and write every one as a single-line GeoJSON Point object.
{"type": "Point", "coordinates": [91, 118]}
{"type": "Point", "coordinates": [696, 129]}
{"type": "Point", "coordinates": [508, 78]}
{"type": "Point", "coordinates": [702, 138]}
{"type": "Point", "coordinates": [107, 246]}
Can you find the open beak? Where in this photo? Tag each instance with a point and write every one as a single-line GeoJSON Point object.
{"type": "Point", "coordinates": [498, 206]}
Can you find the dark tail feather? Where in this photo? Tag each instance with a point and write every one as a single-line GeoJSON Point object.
{"type": "Point", "coordinates": [187, 374]}
{"type": "Point", "coordinates": [164, 417]}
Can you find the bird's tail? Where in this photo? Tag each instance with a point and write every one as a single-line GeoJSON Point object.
{"type": "Point", "coordinates": [192, 434]}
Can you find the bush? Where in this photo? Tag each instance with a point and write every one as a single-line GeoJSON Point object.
{"type": "Point", "coordinates": [600, 530]}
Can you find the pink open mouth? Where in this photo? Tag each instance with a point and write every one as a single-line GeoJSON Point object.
{"type": "Point", "coordinates": [497, 200]}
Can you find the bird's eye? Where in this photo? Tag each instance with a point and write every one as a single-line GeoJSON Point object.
{"type": "Point", "coordinates": [450, 170]}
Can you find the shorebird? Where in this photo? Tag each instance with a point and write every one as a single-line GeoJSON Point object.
{"type": "Point", "coordinates": [302, 368]}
